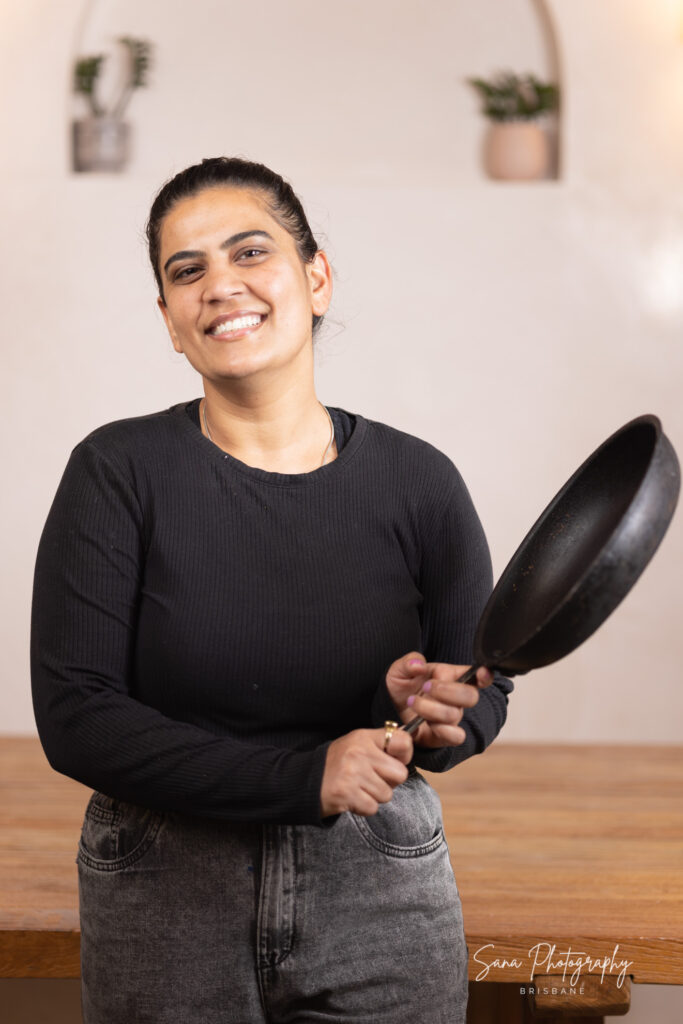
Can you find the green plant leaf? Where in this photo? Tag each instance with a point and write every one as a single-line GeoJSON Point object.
{"type": "Point", "coordinates": [508, 96]}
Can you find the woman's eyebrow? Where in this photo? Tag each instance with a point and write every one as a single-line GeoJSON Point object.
{"type": "Point", "coordinates": [241, 235]}
{"type": "Point", "coordinates": [193, 254]}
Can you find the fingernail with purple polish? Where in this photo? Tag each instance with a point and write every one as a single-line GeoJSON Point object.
{"type": "Point", "coordinates": [427, 686]}
{"type": "Point", "coordinates": [416, 661]}
{"type": "Point", "coordinates": [411, 700]}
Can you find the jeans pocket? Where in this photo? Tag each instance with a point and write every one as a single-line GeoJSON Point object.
{"type": "Point", "coordinates": [116, 834]}
{"type": "Point", "coordinates": [410, 825]}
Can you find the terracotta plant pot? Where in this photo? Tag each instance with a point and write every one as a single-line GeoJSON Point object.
{"type": "Point", "coordinates": [516, 151]}
{"type": "Point", "coordinates": [100, 144]}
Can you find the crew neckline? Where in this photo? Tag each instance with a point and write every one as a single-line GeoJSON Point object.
{"type": "Point", "coordinates": [217, 455]}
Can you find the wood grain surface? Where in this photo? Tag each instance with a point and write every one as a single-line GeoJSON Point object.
{"type": "Point", "coordinates": [571, 849]}
{"type": "Point", "coordinates": [575, 850]}
{"type": "Point", "coordinates": [41, 814]}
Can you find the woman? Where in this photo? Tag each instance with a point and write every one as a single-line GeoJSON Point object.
{"type": "Point", "coordinates": [235, 602]}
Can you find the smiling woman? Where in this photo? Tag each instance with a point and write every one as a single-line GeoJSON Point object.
{"type": "Point", "coordinates": [236, 602]}
{"type": "Point", "coordinates": [240, 307]}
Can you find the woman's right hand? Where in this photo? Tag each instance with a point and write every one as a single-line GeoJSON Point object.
{"type": "Point", "coordinates": [359, 775]}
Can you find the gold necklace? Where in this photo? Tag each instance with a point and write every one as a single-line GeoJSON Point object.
{"type": "Point", "coordinates": [325, 453]}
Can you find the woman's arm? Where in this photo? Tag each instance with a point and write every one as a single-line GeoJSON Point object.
{"type": "Point", "coordinates": [88, 579]}
{"type": "Point", "coordinates": [455, 582]}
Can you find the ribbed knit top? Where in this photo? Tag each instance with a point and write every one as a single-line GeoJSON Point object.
{"type": "Point", "coordinates": [202, 629]}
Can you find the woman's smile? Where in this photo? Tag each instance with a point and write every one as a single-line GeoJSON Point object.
{"type": "Point", "coordinates": [234, 325]}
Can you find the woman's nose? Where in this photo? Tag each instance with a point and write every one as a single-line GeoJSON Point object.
{"type": "Point", "coordinates": [222, 281]}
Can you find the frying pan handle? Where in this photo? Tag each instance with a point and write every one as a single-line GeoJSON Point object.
{"type": "Point", "coordinates": [467, 677]}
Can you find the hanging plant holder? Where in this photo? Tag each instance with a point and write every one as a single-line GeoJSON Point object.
{"type": "Point", "coordinates": [101, 141]}
{"type": "Point", "coordinates": [516, 146]}
{"type": "Point", "coordinates": [100, 144]}
{"type": "Point", "coordinates": [516, 151]}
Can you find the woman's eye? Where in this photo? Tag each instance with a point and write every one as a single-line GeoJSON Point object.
{"type": "Point", "coordinates": [251, 253]}
{"type": "Point", "coordinates": [185, 272]}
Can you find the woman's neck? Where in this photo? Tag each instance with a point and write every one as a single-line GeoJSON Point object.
{"type": "Point", "coordinates": [282, 433]}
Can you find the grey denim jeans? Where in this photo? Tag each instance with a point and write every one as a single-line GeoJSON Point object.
{"type": "Point", "coordinates": [190, 920]}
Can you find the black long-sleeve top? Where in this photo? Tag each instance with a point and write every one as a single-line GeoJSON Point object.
{"type": "Point", "coordinates": [203, 629]}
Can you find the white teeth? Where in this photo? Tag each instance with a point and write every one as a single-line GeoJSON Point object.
{"type": "Point", "coordinates": [236, 325]}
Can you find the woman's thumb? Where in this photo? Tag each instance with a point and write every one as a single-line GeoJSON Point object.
{"type": "Point", "coordinates": [413, 663]}
{"type": "Point", "coordinates": [407, 668]}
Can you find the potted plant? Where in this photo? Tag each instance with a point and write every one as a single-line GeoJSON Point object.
{"type": "Point", "coordinates": [516, 147]}
{"type": "Point", "coordinates": [101, 140]}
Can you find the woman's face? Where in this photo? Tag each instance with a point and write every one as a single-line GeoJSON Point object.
{"type": "Point", "coordinates": [238, 298]}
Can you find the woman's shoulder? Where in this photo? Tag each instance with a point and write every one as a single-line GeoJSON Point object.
{"type": "Point", "coordinates": [145, 434]}
{"type": "Point", "coordinates": [410, 455]}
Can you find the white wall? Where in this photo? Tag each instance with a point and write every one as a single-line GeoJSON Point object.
{"type": "Point", "coordinates": [515, 326]}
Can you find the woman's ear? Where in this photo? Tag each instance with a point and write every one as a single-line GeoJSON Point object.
{"type": "Point", "coordinates": [320, 280]}
{"type": "Point", "coordinates": [169, 325]}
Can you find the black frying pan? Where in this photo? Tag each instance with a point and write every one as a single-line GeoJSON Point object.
{"type": "Point", "coordinates": [582, 556]}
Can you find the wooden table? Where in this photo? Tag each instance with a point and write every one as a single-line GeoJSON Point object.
{"type": "Point", "coordinates": [560, 848]}
{"type": "Point", "coordinates": [562, 853]}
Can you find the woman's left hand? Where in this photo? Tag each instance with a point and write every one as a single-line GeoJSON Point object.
{"type": "Point", "coordinates": [430, 689]}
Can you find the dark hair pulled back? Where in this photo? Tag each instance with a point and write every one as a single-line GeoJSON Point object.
{"type": "Point", "coordinates": [214, 172]}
